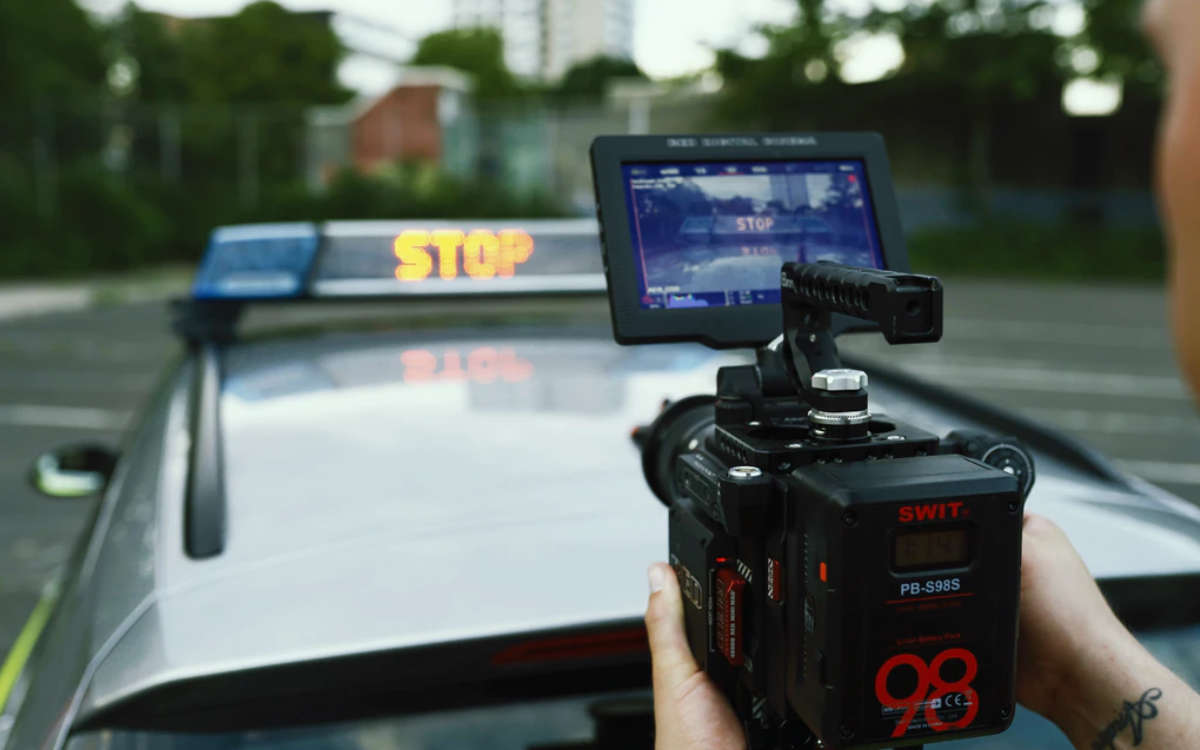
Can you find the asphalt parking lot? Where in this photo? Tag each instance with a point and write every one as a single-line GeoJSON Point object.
{"type": "Point", "coordinates": [1094, 361]}
{"type": "Point", "coordinates": [67, 376]}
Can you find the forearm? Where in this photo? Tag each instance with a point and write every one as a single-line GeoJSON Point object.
{"type": "Point", "coordinates": [1124, 698]}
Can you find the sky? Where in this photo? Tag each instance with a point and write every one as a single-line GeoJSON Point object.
{"type": "Point", "coordinates": [671, 37]}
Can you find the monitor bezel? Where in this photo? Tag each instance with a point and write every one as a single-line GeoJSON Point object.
{"type": "Point", "coordinates": [723, 327]}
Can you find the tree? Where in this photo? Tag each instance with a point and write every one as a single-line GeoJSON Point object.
{"type": "Point", "coordinates": [49, 50]}
{"type": "Point", "coordinates": [478, 52]}
{"type": "Point", "coordinates": [981, 61]}
{"type": "Point", "coordinates": [265, 53]}
{"type": "Point", "coordinates": [799, 63]}
{"type": "Point", "coordinates": [966, 64]}
{"type": "Point", "coordinates": [237, 86]}
{"type": "Point", "coordinates": [52, 67]}
{"type": "Point", "coordinates": [1114, 32]}
{"type": "Point", "coordinates": [156, 56]}
{"type": "Point", "coordinates": [589, 78]}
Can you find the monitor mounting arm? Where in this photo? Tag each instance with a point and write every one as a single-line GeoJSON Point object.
{"type": "Point", "coordinates": [907, 309]}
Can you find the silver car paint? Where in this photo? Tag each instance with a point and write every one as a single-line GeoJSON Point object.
{"type": "Point", "coordinates": [370, 512]}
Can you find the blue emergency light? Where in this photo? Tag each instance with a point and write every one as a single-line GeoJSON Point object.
{"type": "Point", "coordinates": [257, 261]}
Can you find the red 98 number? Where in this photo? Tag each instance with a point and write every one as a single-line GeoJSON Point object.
{"type": "Point", "coordinates": [930, 676]}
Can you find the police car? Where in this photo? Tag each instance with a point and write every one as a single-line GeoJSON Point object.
{"type": "Point", "coordinates": [388, 499]}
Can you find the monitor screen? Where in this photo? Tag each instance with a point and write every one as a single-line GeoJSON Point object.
{"type": "Point", "coordinates": [714, 234]}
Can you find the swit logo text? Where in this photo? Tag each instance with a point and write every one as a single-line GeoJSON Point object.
{"type": "Point", "coordinates": [931, 511]}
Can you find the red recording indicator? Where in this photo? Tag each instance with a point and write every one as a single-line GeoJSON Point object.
{"type": "Point", "coordinates": [774, 580]}
{"type": "Point", "coordinates": [730, 587]}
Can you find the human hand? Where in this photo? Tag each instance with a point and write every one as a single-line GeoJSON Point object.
{"type": "Point", "coordinates": [1063, 617]}
{"type": "Point", "coordinates": [1078, 666]}
{"type": "Point", "coordinates": [689, 711]}
{"type": "Point", "coordinates": [1063, 614]}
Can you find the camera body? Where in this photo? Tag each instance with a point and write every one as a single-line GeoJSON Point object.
{"type": "Point", "coordinates": [846, 576]}
{"type": "Point", "coordinates": [848, 580]}
{"type": "Point", "coordinates": [807, 619]}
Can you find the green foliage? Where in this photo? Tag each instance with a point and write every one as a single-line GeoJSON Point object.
{"type": "Point", "coordinates": [478, 52]}
{"type": "Point", "coordinates": [977, 99]}
{"type": "Point", "coordinates": [266, 63]}
{"type": "Point", "coordinates": [1114, 31]}
{"type": "Point", "coordinates": [263, 54]}
{"type": "Point", "coordinates": [48, 49]}
{"type": "Point", "coordinates": [1007, 65]}
{"type": "Point", "coordinates": [588, 79]}
{"type": "Point", "coordinates": [955, 54]}
{"type": "Point", "coordinates": [999, 53]}
{"type": "Point", "coordinates": [979, 88]}
{"type": "Point", "coordinates": [207, 113]}
{"type": "Point", "coordinates": [110, 225]}
{"type": "Point", "coordinates": [101, 224]}
{"type": "Point", "coordinates": [1047, 251]}
{"type": "Point", "coordinates": [157, 57]}
{"type": "Point", "coordinates": [106, 222]}
{"type": "Point", "coordinates": [406, 191]}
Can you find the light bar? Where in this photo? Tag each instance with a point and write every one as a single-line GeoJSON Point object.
{"type": "Point", "coordinates": [256, 261]}
{"type": "Point", "coordinates": [578, 283]}
{"type": "Point", "coordinates": [403, 259]}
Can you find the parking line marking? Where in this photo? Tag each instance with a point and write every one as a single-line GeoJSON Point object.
{"type": "Point", "coordinates": [1163, 471]}
{"type": "Point", "coordinates": [1047, 332]}
{"type": "Point", "coordinates": [14, 663]}
{"type": "Point", "coordinates": [1117, 423]}
{"type": "Point", "coordinates": [68, 417]}
{"type": "Point", "coordinates": [1051, 380]}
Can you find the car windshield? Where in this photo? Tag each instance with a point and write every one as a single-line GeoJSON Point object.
{"type": "Point", "coordinates": [617, 720]}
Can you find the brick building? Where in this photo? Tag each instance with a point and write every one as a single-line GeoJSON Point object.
{"type": "Point", "coordinates": [424, 117]}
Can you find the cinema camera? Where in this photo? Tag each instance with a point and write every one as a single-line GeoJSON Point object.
{"type": "Point", "coordinates": [850, 581]}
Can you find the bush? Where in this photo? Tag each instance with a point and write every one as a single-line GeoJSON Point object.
{"type": "Point", "coordinates": [107, 222]}
{"type": "Point", "coordinates": [97, 222]}
{"type": "Point", "coordinates": [402, 192]}
{"type": "Point", "coordinates": [111, 222]}
{"type": "Point", "coordinates": [1059, 251]}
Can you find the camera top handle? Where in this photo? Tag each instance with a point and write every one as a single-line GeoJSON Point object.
{"type": "Point", "coordinates": [907, 308]}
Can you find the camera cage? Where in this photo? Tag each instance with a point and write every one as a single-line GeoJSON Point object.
{"type": "Point", "coordinates": [743, 325]}
{"type": "Point", "coordinates": [717, 462]}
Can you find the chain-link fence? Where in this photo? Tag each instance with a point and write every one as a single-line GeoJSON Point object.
{"type": "Point", "coordinates": [88, 185]}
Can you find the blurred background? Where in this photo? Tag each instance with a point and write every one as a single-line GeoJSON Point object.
{"type": "Point", "coordinates": [1020, 132]}
{"type": "Point", "coordinates": [1020, 127]}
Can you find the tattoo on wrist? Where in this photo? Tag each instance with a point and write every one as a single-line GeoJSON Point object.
{"type": "Point", "coordinates": [1131, 715]}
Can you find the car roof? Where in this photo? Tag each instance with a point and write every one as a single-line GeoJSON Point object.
{"type": "Point", "coordinates": [389, 489]}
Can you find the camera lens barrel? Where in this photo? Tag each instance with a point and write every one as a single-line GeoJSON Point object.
{"type": "Point", "coordinates": [680, 428]}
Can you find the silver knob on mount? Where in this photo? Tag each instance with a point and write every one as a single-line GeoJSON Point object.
{"type": "Point", "coordinates": [839, 380]}
{"type": "Point", "coordinates": [836, 416]}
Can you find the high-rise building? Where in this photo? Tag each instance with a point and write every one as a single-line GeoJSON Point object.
{"type": "Point", "coordinates": [578, 30]}
{"type": "Point", "coordinates": [520, 22]}
{"type": "Point", "coordinates": [543, 38]}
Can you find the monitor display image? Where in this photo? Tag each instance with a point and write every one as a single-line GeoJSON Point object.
{"type": "Point", "coordinates": [716, 233]}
